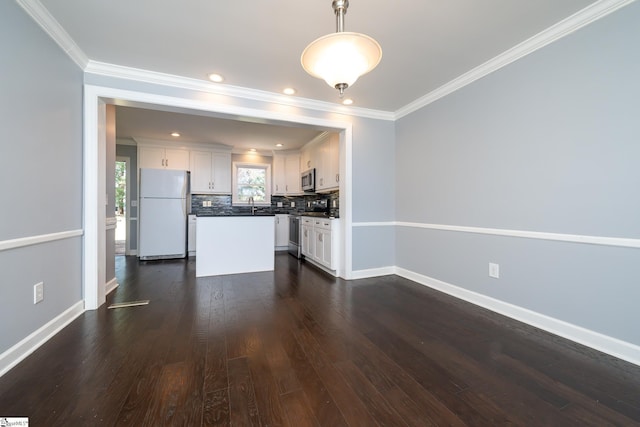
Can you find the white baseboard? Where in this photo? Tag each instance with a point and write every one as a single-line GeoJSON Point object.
{"type": "Point", "coordinates": [321, 267]}
{"type": "Point", "coordinates": [110, 286]}
{"type": "Point", "coordinates": [613, 346]}
{"type": "Point", "coordinates": [372, 272]}
{"type": "Point", "coordinates": [24, 348]}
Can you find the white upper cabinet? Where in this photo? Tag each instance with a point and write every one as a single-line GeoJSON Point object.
{"type": "Point", "coordinates": [210, 165]}
{"type": "Point", "coordinates": [221, 172]}
{"type": "Point", "coordinates": [286, 174]}
{"type": "Point", "coordinates": [210, 172]}
{"type": "Point", "coordinates": [326, 159]}
{"type": "Point", "coordinates": [163, 158]}
{"type": "Point", "coordinates": [305, 159]}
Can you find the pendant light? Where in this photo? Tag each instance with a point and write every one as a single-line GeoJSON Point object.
{"type": "Point", "coordinates": [340, 58]}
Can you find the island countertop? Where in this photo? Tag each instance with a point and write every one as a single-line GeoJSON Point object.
{"type": "Point", "coordinates": [209, 215]}
{"type": "Point", "coordinates": [231, 244]}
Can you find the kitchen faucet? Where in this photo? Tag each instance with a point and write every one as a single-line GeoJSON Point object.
{"type": "Point", "coordinates": [252, 204]}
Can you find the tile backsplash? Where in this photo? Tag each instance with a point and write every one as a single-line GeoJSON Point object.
{"type": "Point", "coordinates": [221, 204]}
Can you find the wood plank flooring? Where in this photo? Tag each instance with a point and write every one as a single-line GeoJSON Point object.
{"type": "Point", "coordinates": [296, 347]}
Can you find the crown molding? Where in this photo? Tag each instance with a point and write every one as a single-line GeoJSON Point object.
{"type": "Point", "coordinates": [213, 146]}
{"type": "Point", "coordinates": [153, 77]}
{"type": "Point", "coordinates": [584, 17]}
{"type": "Point", "coordinates": [580, 19]}
{"type": "Point", "coordinates": [43, 18]}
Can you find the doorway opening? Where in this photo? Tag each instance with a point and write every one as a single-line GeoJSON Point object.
{"type": "Point", "coordinates": [96, 99]}
{"type": "Point", "coordinates": [122, 228]}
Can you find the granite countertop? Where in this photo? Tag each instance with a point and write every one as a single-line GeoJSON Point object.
{"type": "Point", "coordinates": [317, 214]}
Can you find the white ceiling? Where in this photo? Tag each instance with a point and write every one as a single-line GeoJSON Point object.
{"type": "Point", "coordinates": [136, 123]}
{"type": "Point", "coordinates": [256, 44]}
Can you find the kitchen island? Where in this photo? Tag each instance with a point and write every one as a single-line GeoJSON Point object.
{"type": "Point", "coordinates": [233, 244]}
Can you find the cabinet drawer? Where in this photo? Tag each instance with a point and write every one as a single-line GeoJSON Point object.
{"type": "Point", "coordinates": [324, 224]}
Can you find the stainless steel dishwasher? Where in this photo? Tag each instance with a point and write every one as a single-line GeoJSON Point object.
{"type": "Point", "coordinates": [294, 236]}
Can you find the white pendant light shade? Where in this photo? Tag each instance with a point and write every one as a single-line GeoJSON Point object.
{"type": "Point", "coordinates": [340, 58]}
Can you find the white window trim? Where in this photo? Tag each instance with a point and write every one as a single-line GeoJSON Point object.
{"type": "Point", "coordinates": [234, 183]}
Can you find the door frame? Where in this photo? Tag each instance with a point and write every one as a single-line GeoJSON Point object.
{"type": "Point", "coordinates": [94, 167]}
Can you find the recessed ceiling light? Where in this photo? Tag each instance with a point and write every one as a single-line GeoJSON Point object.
{"type": "Point", "coordinates": [278, 145]}
{"type": "Point", "coordinates": [176, 134]}
{"type": "Point", "coordinates": [216, 77]}
{"type": "Point", "coordinates": [289, 91]}
{"type": "Point", "coordinates": [347, 101]}
{"type": "Point", "coordinates": [253, 150]}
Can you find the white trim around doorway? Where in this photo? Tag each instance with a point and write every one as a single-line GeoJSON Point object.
{"type": "Point", "coordinates": [95, 100]}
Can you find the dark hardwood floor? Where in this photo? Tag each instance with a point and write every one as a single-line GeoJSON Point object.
{"type": "Point", "coordinates": [296, 347]}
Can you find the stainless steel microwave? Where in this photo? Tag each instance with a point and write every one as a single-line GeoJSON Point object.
{"type": "Point", "coordinates": [308, 180]}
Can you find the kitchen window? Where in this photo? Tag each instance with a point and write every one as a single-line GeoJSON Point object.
{"type": "Point", "coordinates": [251, 180]}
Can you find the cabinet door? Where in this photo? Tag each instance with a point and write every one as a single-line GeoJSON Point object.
{"type": "Point", "coordinates": [292, 174]}
{"type": "Point", "coordinates": [327, 172]}
{"type": "Point", "coordinates": [305, 159]}
{"type": "Point", "coordinates": [200, 172]}
{"type": "Point", "coordinates": [151, 158]}
{"type": "Point", "coordinates": [176, 159]}
{"type": "Point", "coordinates": [221, 173]}
{"type": "Point", "coordinates": [307, 240]}
{"type": "Point", "coordinates": [317, 158]}
{"type": "Point", "coordinates": [279, 175]}
{"type": "Point", "coordinates": [327, 254]}
{"type": "Point", "coordinates": [318, 242]}
{"type": "Point", "coordinates": [332, 161]}
{"type": "Point", "coordinates": [191, 240]}
{"type": "Point", "coordinates": [282, 230]}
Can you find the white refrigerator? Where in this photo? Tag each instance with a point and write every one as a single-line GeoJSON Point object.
{"type": "Point", "coordinates": [163, 214]}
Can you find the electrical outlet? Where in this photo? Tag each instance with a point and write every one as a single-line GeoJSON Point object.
{"type": "Point", "coordinates": [334, 203]}
{"type": "Point", "coordinates": [293, 204]}
{"type": "Point", "coordinates": [38, 292]}
{"type": "Point", "coordinates": [494, 270]}
{"type": "Point", "coordinates": [279, 204]}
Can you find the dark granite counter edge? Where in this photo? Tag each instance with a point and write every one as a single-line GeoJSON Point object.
{"type": "Point", "coordinates": [233, 215]}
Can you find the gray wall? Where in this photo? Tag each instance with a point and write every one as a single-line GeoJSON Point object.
{"type": "Point", "coordinates": [41, 168]}
{"type": "Point", "coordinates": [374, 171]}
{"type": "Point", "coordinates": [550, 144]}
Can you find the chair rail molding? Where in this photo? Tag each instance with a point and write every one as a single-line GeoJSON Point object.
{"type": "Point", "coordinates": [39, 239]}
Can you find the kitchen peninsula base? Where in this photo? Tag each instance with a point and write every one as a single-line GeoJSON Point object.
{"type": "Point", "coordinates": [234, 244]}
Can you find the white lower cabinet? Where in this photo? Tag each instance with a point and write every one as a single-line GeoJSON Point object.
{"type": "Point", "coordinates": [320, 240]}
{"type": "Point", "coordinates": [191, 239]}
{"type": "Point", "coordinates": [306, 238]}
{"type": "Point", "coordinates": [282, 232]}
